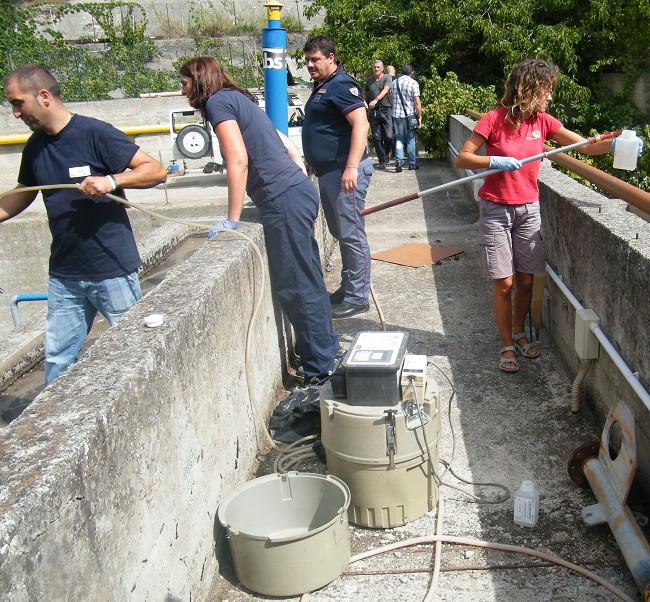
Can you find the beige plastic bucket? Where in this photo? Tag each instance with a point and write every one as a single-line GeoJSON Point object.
{"type": "Point", "coordinates": [288, 533]}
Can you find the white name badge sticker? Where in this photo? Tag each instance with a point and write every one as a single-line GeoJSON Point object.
{"type": "Point", "coordinates": [79, 172]}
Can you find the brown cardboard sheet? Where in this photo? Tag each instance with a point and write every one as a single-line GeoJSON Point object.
{"type": "Point", "coordinates": [415, 255]}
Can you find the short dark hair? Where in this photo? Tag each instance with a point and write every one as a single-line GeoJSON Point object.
{"type": "Point", "coordinates": [321, 44]}
{"type": "Point", "coordinates": [407, 69]}
{"type": "Point", "coordinates": [32, 78]}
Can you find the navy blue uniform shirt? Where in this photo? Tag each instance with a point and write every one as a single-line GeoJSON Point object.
{"type": "Point", "coordinates": [326, 133]}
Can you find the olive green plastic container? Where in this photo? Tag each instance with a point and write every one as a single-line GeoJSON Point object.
{"type": "Point", "coordinates": [288, 533]}
{"type": "Point", "coordinates": [385, 493]}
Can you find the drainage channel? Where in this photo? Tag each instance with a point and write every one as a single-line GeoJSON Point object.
{"type": "Point", "coordinates": [17, 397]}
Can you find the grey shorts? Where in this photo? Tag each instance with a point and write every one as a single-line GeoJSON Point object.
{"type": "Point", "coordinates": [510, 239]}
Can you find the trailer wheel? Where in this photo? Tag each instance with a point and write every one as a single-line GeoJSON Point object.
{"type": "Point", "coordinates": [193, 142]}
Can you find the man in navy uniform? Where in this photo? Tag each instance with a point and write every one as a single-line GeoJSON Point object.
{"type": "Point", "coordinates": [334, 139]}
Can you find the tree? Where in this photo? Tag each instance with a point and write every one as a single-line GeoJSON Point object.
{"type": "Point", "coordinates": [480, 40]}
{"type": "Point", "coordinates": [461, 46]}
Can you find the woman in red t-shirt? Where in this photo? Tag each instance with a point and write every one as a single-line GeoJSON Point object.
{"type": "Point", "coordinates": [510, 237]}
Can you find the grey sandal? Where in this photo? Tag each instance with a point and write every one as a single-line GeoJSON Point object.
{"type": "Point", "coordinates": [504, 361]}
{"type": "Point", "coordinates": [523, 350]}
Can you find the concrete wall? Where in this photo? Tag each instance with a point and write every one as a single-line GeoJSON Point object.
{"type": "Point", "coordinates": [640, 91]}
{"type": "Point", "coordinates": [24, 269]}
{"type": "Point", "coordinates": [602, 252]}
{"type": "Point", "coordinates": [112, 477]}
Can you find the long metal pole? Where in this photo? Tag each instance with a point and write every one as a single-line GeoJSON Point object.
{"type": "Point", "coordinates": [482, 174]}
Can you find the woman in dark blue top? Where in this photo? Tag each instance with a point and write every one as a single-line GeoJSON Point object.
{"type": "Point", "coordinates": [265, 164]}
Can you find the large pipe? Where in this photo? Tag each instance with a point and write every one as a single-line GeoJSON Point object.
{"type": "Point", "coordinates": [135, 130]}
{"type": "Point", "coordinates": [610, 480]}
{"type": "Point", "coordinates": [547, 153]}
{"type": "Point", "coordinates": [274, 53]}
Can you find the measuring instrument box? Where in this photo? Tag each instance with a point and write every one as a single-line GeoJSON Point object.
{"type": "Point", "coordinates": [372, 367]}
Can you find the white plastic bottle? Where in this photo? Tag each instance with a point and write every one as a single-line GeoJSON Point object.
{"type": "Point", "coordinates": [626, 150]}
{"type": "Point", "coordinates": [526, 504]}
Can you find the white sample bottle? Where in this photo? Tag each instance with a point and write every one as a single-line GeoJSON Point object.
{"type": "Point", "coordinates": [526, 504]}
{"type": "Point", "coordinates": [626, 150]}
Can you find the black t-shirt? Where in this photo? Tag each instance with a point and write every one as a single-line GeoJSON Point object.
{"type": "Point", "coordinates": [271, 171]}
{"type": "Point", "coordinates": [91, 238]}
{"type": "Point", "coordinates": [326, 133]}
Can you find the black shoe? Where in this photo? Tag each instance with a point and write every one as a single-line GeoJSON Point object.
{"type": "Point", "coordinates": [337, 296]}
{"type": "Point", "coordinates": [398, 167]}
{"type": "Point", "coordinates": [347, 310]}
{"type": "Point", "coordinates": [413, 167]}
{"type": "Point", "coordinates": [381, 166]}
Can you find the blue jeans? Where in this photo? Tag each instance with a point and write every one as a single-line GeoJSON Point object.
{"type": "Point", "coordinates": [297, 278]}
{"type": "Point", "coordinates": [346, 224]}
{"type": "Point", "coordinates": [71, 308]}
{"type": "Point", "coordinates": [404, 138]}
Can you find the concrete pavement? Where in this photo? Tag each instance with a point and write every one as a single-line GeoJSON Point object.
{"type": "Point", "coordinates": [496, 427]}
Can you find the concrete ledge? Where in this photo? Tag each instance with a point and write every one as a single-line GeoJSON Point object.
{"type": "Point", "coordinates": [24, 267]}
{"type": "Point", "coordinates": [602, 251]}
{"type": "Point", "coordinates": [111, 478]}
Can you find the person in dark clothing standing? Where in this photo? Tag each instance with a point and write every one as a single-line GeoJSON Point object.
{"type": "Point", "coordinates": [265, 164]}
{"type": "Point", "coordinates": [94, 259]}
{"type": "Point", "coordinates": [377, 97]}
{"type": "Point", "coordinates": [334, 138]}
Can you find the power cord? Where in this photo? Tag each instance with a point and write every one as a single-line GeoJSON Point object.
{"type": "Point", "coordinates": [448, 464]}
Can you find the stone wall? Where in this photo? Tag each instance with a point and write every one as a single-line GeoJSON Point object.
{"type": "Point", "coordinates": [112, 477]}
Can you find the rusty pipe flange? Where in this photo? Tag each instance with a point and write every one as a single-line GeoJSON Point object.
{"type": "Point", "coordinates": [576, 463]}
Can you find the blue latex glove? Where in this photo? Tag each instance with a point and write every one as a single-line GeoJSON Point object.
{"type": "Point", "coordinates": [639, 151]}
{"type": "Point", "coordinates": [228, 224]}
{"type": "Point", "coordinates": [505, 163]}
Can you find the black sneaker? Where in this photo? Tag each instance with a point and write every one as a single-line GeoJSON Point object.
{"type": "Point", "coordinates": [347, 310]}
{"type": "Point", "coordinates": [413, 167]}
{"type": "Point", "coordinates": [381, 166]}
{"type": "Point", "coordinates": [337, 296]}
{"type": "Point", "coordinates": [398, 167]}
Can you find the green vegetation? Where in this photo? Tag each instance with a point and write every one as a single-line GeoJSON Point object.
{"type": "Point", "coordinates": [85, 73]}
{"type": "Point", "coordinates": [115, 55]}
{"type": "Point", "coordinates": [462, 49]}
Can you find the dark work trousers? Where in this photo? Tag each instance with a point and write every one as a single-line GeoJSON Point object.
{"type": "Point", "coordinates": [381, 126]}
{"type": "Point", "coordinates": [346, 224]}
{"type": "Point", "coordinates": [297, 276]}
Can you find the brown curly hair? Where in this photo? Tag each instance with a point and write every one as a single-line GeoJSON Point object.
{"type": "Point", "coordinates": [524, 88]}
{"type": "Point", "coordinates": [208, 77]}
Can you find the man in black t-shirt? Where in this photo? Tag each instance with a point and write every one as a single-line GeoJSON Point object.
{"type": "Point", "coordinates": [94, 258]}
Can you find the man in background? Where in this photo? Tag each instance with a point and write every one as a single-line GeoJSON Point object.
{"type": "Point", "coordinates": [377, 96]}
{"type": "Point", "coordinates": [406, 101]}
